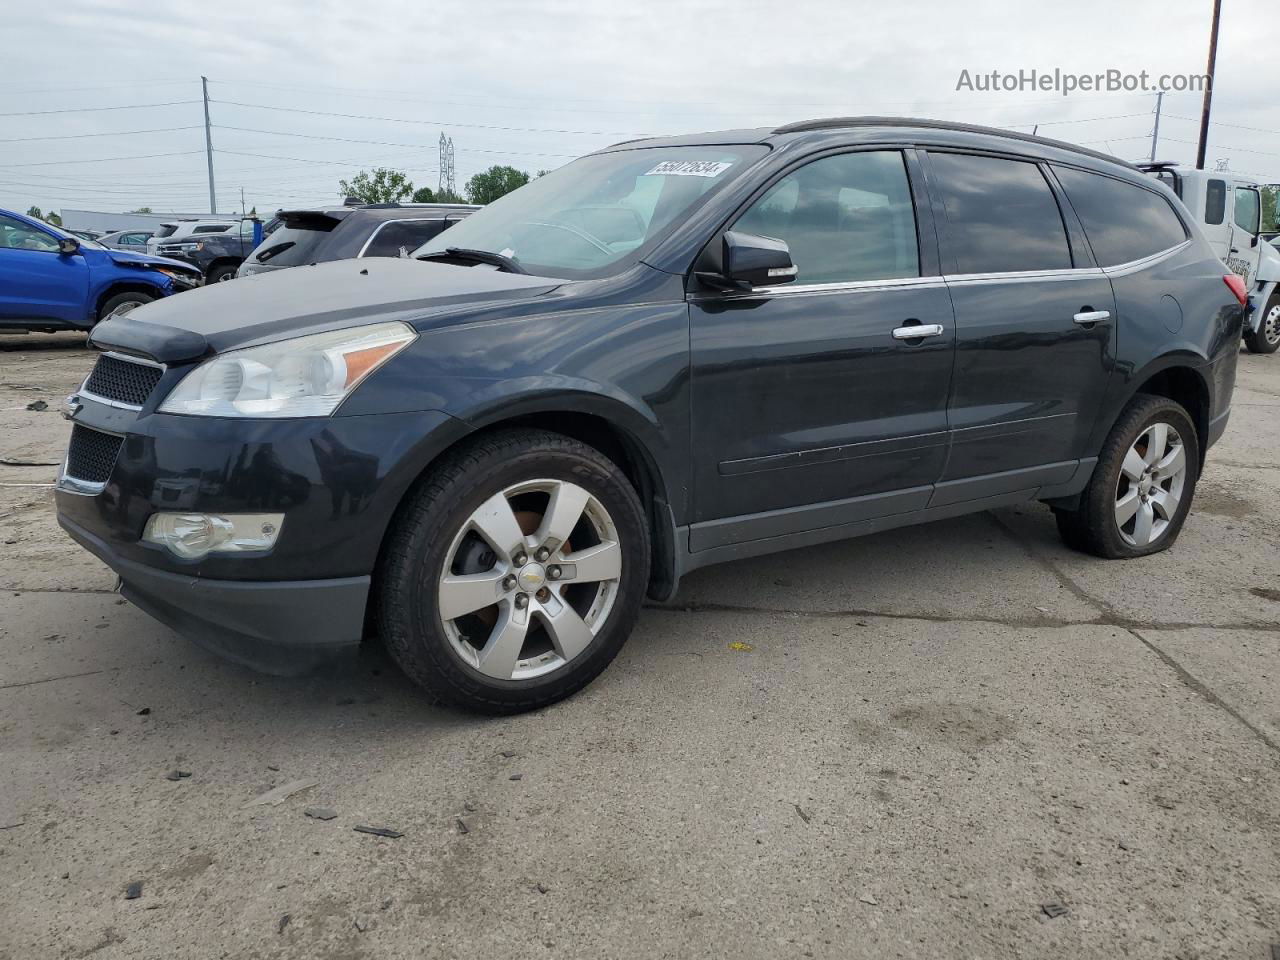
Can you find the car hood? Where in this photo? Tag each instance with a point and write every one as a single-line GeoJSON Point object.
{"type": "Point", "coordinates": [325, 296]}
{"type": "Point", "coordinates": [128, 259]}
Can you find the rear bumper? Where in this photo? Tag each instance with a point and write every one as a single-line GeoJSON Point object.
{"type": "Point", "coordinates": [284, 627]}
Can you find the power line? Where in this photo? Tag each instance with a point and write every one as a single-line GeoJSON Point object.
{"type": "Point", "coordinates": [127, 106]}
{"type": "Point", "coordinates": [383, 143]}
{"type": "Point", "coordinates": [113, 133]}
{"type": "Point", "coordinates": [136, 156]}
{"type": "Point", "coordinates": [436, 123]}
{"type": "Point", "coordinates": [1219, 123]}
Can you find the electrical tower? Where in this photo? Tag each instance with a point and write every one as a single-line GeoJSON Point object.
{"type": "Point", "coordinates": [446, 166]}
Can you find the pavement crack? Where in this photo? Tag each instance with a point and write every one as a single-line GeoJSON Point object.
{"type": "Point", "coordinates": [65, 676]}
{"type": "Point", "coordinates": [1052, 569]}
{"type": "Point", "coordinates": [1204, 692]}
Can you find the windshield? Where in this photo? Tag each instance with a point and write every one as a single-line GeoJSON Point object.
{"type": "Point", "coordinates": [584, 218]}
{"type": "Point", "coordinates": [84, 241]}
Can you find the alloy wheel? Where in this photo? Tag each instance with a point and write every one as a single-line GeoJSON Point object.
{"type": "Point", "coordinates": [1271, 325]}
{"type": "Point", "coordinates": [530, 579]}
{"type": "Point", "coordinates": [123, 308]}
{"type": "Point", "coordinates": [1149, 490]}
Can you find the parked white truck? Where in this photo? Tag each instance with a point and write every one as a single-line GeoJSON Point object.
{"type": "Point", "coordinates": [1229, 208]}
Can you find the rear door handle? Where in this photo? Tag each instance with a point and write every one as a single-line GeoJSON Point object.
{"type": "Point", "coordinates": [1092, 316]}
{"type": "Point", "coordinates": [918, 331]}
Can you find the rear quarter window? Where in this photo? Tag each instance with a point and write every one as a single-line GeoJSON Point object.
{"type": "Point", "coordinates": [1124, 222]}
{"type": "Point", "coordinates": [395, 236]}
{"type": "Point", "coordinates": [1002, 216]}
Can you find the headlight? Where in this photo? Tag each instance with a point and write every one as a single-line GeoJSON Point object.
{"type": "Point", "coordinates": [304, 377]}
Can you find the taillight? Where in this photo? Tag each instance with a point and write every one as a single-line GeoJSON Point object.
{"type": "Point", "coordinates": [1236, 283]}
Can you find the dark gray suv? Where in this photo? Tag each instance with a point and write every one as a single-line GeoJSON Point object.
{"type": "Point", "coordinates": [667, 354]}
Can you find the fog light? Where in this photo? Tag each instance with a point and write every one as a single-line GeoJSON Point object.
{"type": "Point", "coordinates": [194, 535]}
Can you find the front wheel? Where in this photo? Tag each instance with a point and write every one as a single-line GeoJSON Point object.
{"type": "Point", "coordinates": [1142, 486]}
{"type": "Point", "coordinates": [123, 303]}
{"type": "Point", "coordinates": [514, 572]}
{"type": "Point", "coordinates": [222, 273]}
{"type": "Point", "coordinates": [1266, 339]}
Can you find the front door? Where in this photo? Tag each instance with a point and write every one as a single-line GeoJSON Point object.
{"type": "Point", "coordinates": [1035, 328]}
{"type": "Point", "coordinates": [808, 410]}
{"type": "Point", "coordinates": [37, 283]}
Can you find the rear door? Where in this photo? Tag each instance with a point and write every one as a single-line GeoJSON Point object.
{"type": "Point", "coordinates": [808, 411]}
{"type": "Point", "coordinates": [37, 283]}
{"type": "Point", "coordinates": [1035, 338]}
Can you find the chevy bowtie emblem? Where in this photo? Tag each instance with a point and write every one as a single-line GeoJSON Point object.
{"type": "Point", "coordinates": [71, 406]}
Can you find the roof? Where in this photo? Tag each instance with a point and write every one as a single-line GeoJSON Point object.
{"type": "Point", "coordinates": [827, 124]}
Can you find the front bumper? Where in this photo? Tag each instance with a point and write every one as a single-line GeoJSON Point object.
{"type": "Point", "coordinates": [285, 627]}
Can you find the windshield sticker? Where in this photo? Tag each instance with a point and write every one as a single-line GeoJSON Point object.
{"type": "Point", "coordinates": [689, 168]}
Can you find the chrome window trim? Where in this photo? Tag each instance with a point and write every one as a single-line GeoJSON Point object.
{"type": "Point", "coordinates": [378, 229]}
{"type": "Point", "coordinates": [1065, 273]}
{"type": "Point", "coordinates": [847, 286]}
{"type": "Point", "coordinates": [1133, 266]}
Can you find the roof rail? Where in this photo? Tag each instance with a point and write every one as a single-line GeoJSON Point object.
{"type": "Point", "coordinates": [835, 123]}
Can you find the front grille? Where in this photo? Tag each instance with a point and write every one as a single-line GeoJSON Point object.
{"type": "Point", "coordinates": [92, 455]}
{"type": "Point", "coordinates": [122, 380]}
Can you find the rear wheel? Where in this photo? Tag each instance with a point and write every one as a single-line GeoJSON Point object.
{"type": "Point", "coordinates": [122, 303]}
{"type": "Point", "coordinates": [222, 273]}
{"type": "Point", "coordinates": [1266, 339]}
{"type": "Point", "coordinates": [514, 573]}
{"type": "Point", "coordinates": [1142, 486]}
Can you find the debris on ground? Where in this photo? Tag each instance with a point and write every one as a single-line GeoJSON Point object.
{"type": "Point", "coordinates": [469, 806]}
{"type": "Point", "coordinates": [361, 924]}
{"type": "Point", "coordinates": [803, 816]}
{"type": "Point", "coordinates": [516, 776]}
{"type": "Point", "coordinates": [273, 768]}
{"type": "Point", "coordinates": [508, 754]}
{"type": "Point", "coordinates": [144, 712]}
{"type": "Point", "coordinates": [177, 775]}
{"type": "Point", "coordinates": [1053, 910]}
{"type": "Point", "coordinates": [13, 462]}
{"type": "Point", "coordinates": [542, 888]}
{"type": "Point", "coordinates": [284, 922]}
{"type": "Point", "coordinates": [1164, 802]}
{"type": "Point", "coordinates": [868, 899]}
{"type": "Point", "coordinates": [462, 827]}
{"type": "Point", "coordinates": [320, 813]}
{"type": "Point", "coordinates": [741, 647]}
{"type": "Point", "coordinates": [133, 891]}
{"type": "Point", "coordinates": [378, 831]}
{"type": "Point", "coordinates": [278, 795]}
{"type": "Point", "coordinates": [38, 406]}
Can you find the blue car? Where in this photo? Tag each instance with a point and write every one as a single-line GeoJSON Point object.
{"type": "Point", "coordinates": [53, 280]}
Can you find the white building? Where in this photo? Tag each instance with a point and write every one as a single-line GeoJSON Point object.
{"type": "Point", "coordinates": [108, 222]}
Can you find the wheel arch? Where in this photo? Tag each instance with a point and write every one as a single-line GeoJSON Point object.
{"type": "Point", "coordinates": [124, 286]}
{"type": "Point", "coordinates": [1183, 380]}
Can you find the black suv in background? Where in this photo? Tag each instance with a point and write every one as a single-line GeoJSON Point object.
{"type": "Point", "coordinates": [216, 254]}
{"type": "Point", "coordinates": [667, 354]}
{"type": "Point", "coordinates": [346, 232]}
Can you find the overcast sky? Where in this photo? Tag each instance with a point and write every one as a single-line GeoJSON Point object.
{"type": "Point", "coordinates": [566, 77]}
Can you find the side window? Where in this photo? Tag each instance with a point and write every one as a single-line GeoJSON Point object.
{"type": "Point", "coordinates": [211, 229]}
{"type": "Point", "coordinates": [16, 235]}
{"type": "Point", "coordinates": [1215, 203]}
{"type": "Point", "coordinates": [397, 235]}
{"type": "Point", "coordinates": [1124, 221]}
{"type": "Point", "coordinates": [1248, 209]}
{"type": "Point", "coordinates": [1002, 215]}
{"type": "Point", "coordinates": [846, 218]}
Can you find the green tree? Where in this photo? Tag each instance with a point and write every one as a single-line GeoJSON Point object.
{"type": "Point", "coordinates": [53, 218]}
{"type": "Point", "coordinates": [489, 185]}
{"type": "Point", "coordinates": [141, 210]}
{"type": "Point", "coordinates": [424, 195]}
{"type": "Point", "coordinates": [448, 196]}
{"type": "Point", "coordinates": [35, 213]}
{"type": "Point", "coordinates": [381, 185]}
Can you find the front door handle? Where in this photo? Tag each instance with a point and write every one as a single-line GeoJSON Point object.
{"type": "Point", "coordinates": [1090, 317]}
{"type": "Point", "coordinates": [918, 331]}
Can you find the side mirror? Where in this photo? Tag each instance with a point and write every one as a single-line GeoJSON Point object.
{"type": "Point", "coordinates": [749, 261]}
{"type": "Point", "coordinates": [68, 245]}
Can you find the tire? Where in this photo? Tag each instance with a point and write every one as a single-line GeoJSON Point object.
{"type": "Point", "coordinates": [122, 303]}
{"type": "Point", "coordinates": [1121, 484]}
{"type": "Point", "coordinates": [436, 543]}
{"type": "Point", "coordinates": [222, 273]}
{"type": "Point", "coordinates": [1266, 339]}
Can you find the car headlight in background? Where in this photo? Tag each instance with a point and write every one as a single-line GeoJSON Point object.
{"type": "Point", "coordinates": [303, 377]}
{"type": "Point", "coordinates": [195, 535]}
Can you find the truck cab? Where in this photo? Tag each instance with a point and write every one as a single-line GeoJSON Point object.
{"type": "Point", "coordinates": [1229, 210]}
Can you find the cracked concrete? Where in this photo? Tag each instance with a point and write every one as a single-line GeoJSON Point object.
{"type": "Point", "coordinates": [899, 746]}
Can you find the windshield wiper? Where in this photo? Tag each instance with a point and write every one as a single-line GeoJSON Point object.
{"type": "Point", "coordinates": [270, 252]}
{"type": "Point", "coordinates": [505, 264]}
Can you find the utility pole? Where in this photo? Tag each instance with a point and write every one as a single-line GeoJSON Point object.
{"type": "Point", "coordinates": [242, 202]}
{"type": "Point", "coordinates": [1155, 134]}
{"type": "Point", "coordinates": [208, 146]}
{"type": "Point", "coordinates": [1208, 90]}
